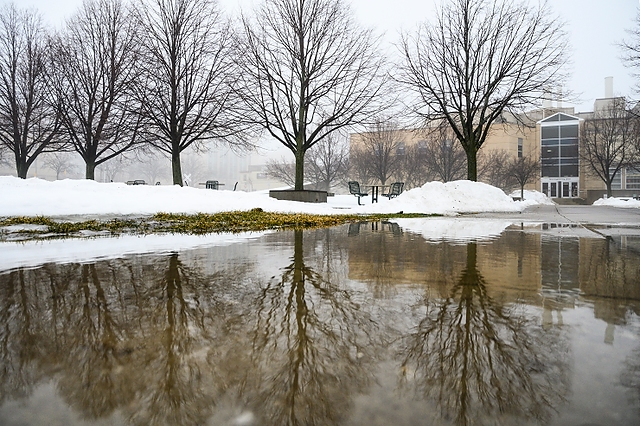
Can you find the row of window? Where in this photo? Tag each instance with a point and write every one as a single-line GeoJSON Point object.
{"type": "Point", "coordinates": [559, 132]}
{"type": "Point", "coordinates": [631, 179]}
{"type": "Point", "coordinates": [560, 171]}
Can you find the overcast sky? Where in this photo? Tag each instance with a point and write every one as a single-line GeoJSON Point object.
{"type": "Point", "coordinates": [594, 26]}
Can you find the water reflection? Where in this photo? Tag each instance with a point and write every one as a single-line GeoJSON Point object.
{"type": "Point", "coordinates": [311, 349]}
{"type": "Point", "coordinates": [299, 328]}
{"type": "Point", "coordinates": [481, 360]}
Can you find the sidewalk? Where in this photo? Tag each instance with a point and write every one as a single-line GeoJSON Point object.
{"type": "Point", "coordinates": [602, 221]}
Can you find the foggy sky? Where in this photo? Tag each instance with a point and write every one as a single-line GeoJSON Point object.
{"type": "Point", "coordinates": [595, 27]}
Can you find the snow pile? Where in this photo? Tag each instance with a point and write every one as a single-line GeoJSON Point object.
{"type": "Point", "coordinates": [460, 196]}
{"type": "Point", "coordinates": [624, 202]}
{"type": "Point", "coordinates": [532, 198]}
{"type": "Point", "coordinates": [32, 197]}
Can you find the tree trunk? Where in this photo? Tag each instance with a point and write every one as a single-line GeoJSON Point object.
{"type": "Point", "coordinates": [21, 168]}
{"type": "Point", "coordinates": [522, 192]}
{"type": "Point", "coordinates": [472, 163]}
{"type": "Point", "coordinates": [90, 170]}
{"type": "Point", "coordinates": [609, 191]}
{"type": "Point", "coordinates": [299, 183]}
{"type": "Point", "coordinates": [176, 167]}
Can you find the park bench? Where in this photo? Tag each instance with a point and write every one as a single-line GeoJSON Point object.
{"type": "Point", "coordinates": [354, 189]}
{"type": "Point", "coordinates": [213, 184]}
{"type": "Point", "coordinates": [395, 190]}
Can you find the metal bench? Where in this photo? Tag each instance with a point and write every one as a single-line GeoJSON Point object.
{"type": "Point", "coordinates": [354, 189]}
{"type": "Point", "coordinates": [395, 190]}
{"type": "Point", "coordinates": [212, 184]}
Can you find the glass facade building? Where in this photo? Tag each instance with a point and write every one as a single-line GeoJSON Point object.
{"type": "Point", "coordinates": [559, 156]}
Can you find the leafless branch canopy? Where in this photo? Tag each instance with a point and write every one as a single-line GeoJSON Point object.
{"type": "Point", "coordinates": [609, 140]}
{"type": "Point", "coordinates": [480, 59]}
{"type": "Point", "coordinates": [29, 114]}
{"type": "Point", "coordinates": [96, 69]}
{"type": "Point", "coordinates": [310, 71]}
{"type": "Point", "coordinates": [190, 75]}
{"type": "Point", "coordinates": [328, 161]}
{"type": "Point", "coordinates": [443, 155]}
{"type": "Point", "coordinates": [326, 164]}
{"type": "Point", "coordinates": [381, 151]}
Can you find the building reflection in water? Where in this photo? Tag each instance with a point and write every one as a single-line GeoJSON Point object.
{"type": "Point", "coordinates": [298, 327]}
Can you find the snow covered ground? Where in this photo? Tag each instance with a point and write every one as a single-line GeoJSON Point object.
{"type": "Point", "coordinates": [32, 197]}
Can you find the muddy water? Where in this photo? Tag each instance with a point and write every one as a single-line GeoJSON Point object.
{"type": "Point", "coordinates": [365, 324]}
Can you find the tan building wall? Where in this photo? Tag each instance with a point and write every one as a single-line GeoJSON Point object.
{"type": "Point", "coordinates": [502, 137]}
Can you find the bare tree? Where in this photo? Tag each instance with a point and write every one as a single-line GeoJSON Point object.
{"type": "Point", "coordinates": [282, 170]}
{"type": "Point", "coordinates": [523, 170]}
{"type": "Point", "coordinates": [382, 149]}
{"type": "Point", "coordinates": [493, 168]}
{"type": "Point", "coordinates": [310, 71]}
{"type": "Point", "coordinates": [29, 114]}
{"type": "Point", "coordinates": [96, 61]}
{"type": "Point", "coordinates": [413, 170]}
{"type": "Point", "coordinates": [153, 167]}
{"type": "Point", "coordinates": [60, 162]}
{"type": "Point", "coordinates": [444, 157]}
{"type": "Point", "coordinates": [109, 170]}
{"type": "Point", "coordinates": [608, 140]}
{"type": "Point", "coordinates": [190, 74]}
{"type": "Point", "coordinates": [479, 60]}
{"type": "Point", "coordinates": [359, 165]}
{"type": "Point", "coordinates": [327, 162]}
{"type": "Point", "coordinates": [194, 169]}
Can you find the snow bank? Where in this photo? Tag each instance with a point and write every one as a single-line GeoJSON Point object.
{"type": "Point", "coordinates": [532, 198]}
{"type": "Point", "coordinates": [28, 254]}
{"type": "Point", "coordinates": [460, 196]}
{"type": "Point", "coordinates": [32, 197]}
{"type": "Point", "coordinates": [624, 202]}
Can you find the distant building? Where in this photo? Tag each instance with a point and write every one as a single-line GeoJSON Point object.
{"type": "Point", "coordinates": [552, 134]}
{"type": "Point", "coordinates": [254, 178]}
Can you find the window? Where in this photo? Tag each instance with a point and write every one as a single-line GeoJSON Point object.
{"type": "Point", "coordinates": [400, 150]}
{"type": "Point", "coordinates": [569, 131]}
{"type": "Point", "coordinates": [633, 178]}
{"type": "Point", "coordinates": [616, 182]}
{"type": "Point", "coordinates": [551, 132]}
{"type": "Point", "coordinates": [520, 147]}
{"type": "Point", "coordinates": [422, 147]}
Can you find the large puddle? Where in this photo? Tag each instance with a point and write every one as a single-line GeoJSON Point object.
{"type": "Point", "coordinates": [364, 324]}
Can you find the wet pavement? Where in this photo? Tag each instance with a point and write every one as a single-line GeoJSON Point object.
{"type": "Point", "coordinates": [593, 215]}
{"type": "Point", "coordinates": [580, 221]}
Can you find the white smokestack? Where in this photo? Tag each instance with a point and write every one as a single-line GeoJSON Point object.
{"type": "Point", "coordinates": [608, 87]}
{"type": "Point", "coordinates": [546, 99]}
{"type": "Point", "coordinates": [560, 97]}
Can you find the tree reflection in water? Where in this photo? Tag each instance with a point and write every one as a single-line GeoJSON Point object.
{"type": "Point", "coordinates": [312, 348]}
{"type": "Point", "coordinates": [484, 362]}
{"type": "Point", "coordinates": [171, 340]}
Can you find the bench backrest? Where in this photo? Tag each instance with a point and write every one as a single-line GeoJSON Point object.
{"type": "Point", "coordinates": [354, 187]}
{"type": "Point", "coordinates": [396, 188]}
